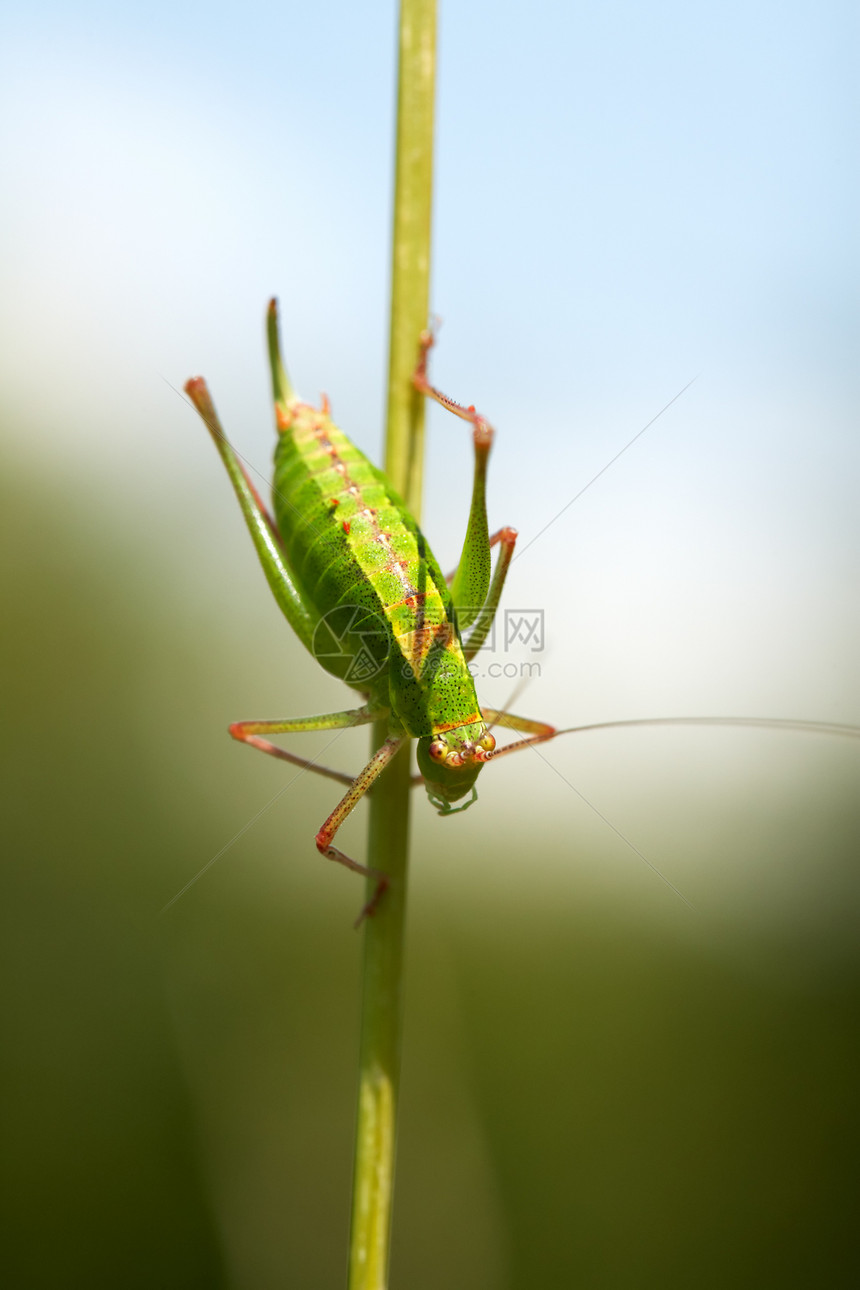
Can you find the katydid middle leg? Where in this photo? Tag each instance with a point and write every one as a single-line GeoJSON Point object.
{"type": "Point", "coordinates": [250, 732]}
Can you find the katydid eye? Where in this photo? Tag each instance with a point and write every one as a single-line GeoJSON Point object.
{"type": "Point", "coordinates": [437, 749]}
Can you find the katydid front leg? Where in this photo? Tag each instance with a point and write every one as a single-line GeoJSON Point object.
{"type": "Point", "coordinates": [538, 732]}
{"type": "Point", "coordinates": [359, 787]}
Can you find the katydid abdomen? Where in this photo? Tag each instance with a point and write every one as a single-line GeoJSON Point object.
{"type": "Point", "coordinates": [355, 578]}
{"type": "Point", "coordinates": [359, 558]}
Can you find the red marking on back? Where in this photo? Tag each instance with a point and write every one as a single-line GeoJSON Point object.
{"type": "Point", "coordinates": [423, 638]}
{"type": "Point", "coordinates": [346, 526]}
{"type": "Point", "coordinates": [411, 601]}
{"type": "Point", "coordinates": [283, 418]}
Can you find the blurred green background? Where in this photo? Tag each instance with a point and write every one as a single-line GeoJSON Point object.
{"type": "Point", "coordinates": [602, 1085]}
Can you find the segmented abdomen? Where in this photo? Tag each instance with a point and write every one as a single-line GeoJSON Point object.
{"type": "Point", "coordinates": [351, 542]}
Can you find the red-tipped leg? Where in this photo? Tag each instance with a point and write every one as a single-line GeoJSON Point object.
{"type": "Point", "coordinates": [482, 430]}
{"type": "Point", "coordinates": [250, 732]}
{"type": "Point", "coordinates": [472, 580]}
{"type": "Point", "coordinates": [538, 731]}
{"type": "Point", "coordinates": [358, 788]}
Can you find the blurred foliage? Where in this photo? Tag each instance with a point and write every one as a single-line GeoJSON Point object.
{"type": "Point", "coordinates": [104, 1184]}
{"type": "Point", "coordinates": [591, 1097]}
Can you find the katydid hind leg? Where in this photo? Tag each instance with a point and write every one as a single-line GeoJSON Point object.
{"type": "Point", "coordinates": [263, 531]}
{"type": "Point", "coordinates": [506, 538]}
{"type": "Point", "coordinates": [471, 581]}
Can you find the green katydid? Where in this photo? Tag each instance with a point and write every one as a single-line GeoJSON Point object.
{"type": "Point", "coordinates": [356, 580]}
{"type": "Point", "coordinates": [343, 554]}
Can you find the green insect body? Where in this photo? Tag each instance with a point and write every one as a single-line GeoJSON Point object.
{"type": "Point", "coordinates": [354, 547]}
{"type": "Point", "coordinates": [357, 581]}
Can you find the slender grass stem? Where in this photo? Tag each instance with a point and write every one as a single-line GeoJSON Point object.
{"type": "Point", "coordinates": [381, 1022]}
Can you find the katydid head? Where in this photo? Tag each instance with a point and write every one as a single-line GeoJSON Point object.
{"type": "Point", "coordinates": [450, 761]}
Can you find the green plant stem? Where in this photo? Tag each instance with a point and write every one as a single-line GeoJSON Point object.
{"type": "Point", "coordinates": [410, 259]}
{"type": "Point", "coordinates": [381, 1021]}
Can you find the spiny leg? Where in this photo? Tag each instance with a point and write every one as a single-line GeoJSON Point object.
{"type": "Point", "coordinates": [358, 788]}
{"type": "Point", "coordinates": [507, 537]}
{"type": "Point", "coordinates": [249, 732]}
{"type": "Point", "coordinates": [470, 582]}
{"type": "Point", "coordinates": [472, 579]}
